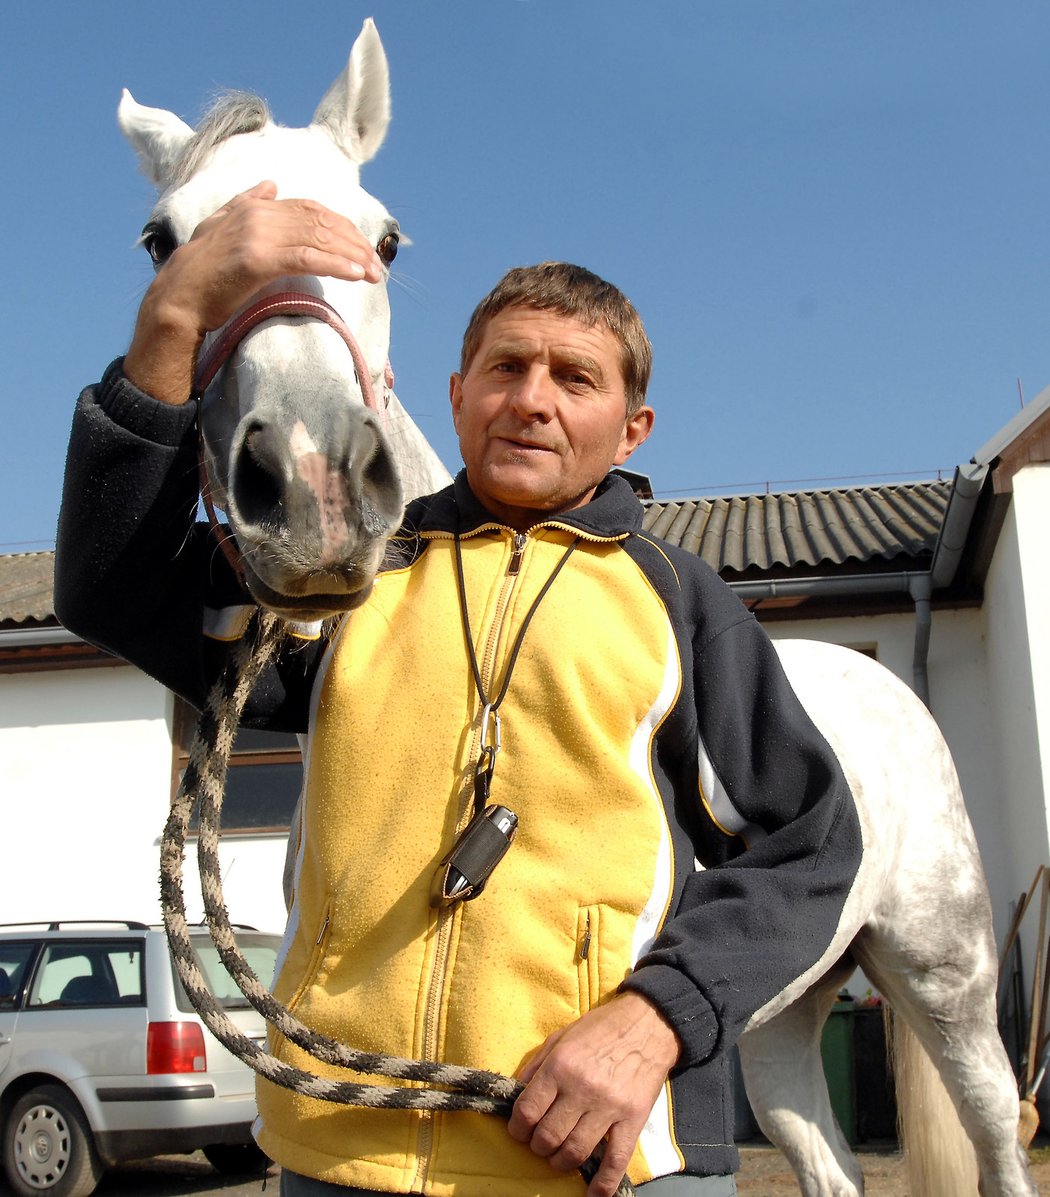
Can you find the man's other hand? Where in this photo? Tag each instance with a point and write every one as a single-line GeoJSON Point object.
{"type": "Point", "coordinates": [598, 1078]}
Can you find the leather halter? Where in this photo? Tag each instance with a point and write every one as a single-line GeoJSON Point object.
{"type": "Point", "coordinates": [284, 303]}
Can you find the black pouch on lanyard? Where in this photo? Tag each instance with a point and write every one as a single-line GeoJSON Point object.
{"type": "Point", "coordinates": [473, 857]}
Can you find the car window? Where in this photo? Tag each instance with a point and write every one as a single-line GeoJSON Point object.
{"type": "Point", "coordinates": [260, 951]}
{"type": "Point", "coordinates": [89, 973]}
{"type": "Point", "coordinates": [14, 961]}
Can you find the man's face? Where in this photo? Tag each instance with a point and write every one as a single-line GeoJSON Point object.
{"type": "Point", "coordinates": [541, 414]}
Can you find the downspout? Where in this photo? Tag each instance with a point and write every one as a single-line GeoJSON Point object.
{"type": "Point", "coordinates": [966, 489]}
{"type": "Point", "coordinates": [920, 589]}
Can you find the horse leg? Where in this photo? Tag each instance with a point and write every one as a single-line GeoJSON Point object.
{"type": "Point", "coordinates": [950, 1008]}
{"type": "Point", "coordinates": [785, 1083]}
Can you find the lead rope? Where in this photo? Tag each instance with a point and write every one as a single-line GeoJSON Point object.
{"type": "Point", "coordinates": [204, 782]}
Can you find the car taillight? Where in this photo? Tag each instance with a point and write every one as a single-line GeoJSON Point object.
{"type": "Point", "coordinates": [175, 1047]}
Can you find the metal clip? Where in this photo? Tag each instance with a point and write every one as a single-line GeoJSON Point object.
{"type": "Point", "coordinates": [487, 759]}
{"type": "Point", "coordinates": [490, 719]}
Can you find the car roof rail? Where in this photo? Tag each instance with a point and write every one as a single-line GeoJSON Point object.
{"type": "Point", "coordinates": [235, 926]}
{"type": "Point", "coordinates": [59, 924]}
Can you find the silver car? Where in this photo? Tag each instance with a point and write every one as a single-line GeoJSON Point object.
{"type": "Point", "coordinates": [103, 1059]}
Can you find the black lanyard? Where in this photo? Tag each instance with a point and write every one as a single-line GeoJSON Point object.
{"type": "Point", "coordinates": [490, 707]}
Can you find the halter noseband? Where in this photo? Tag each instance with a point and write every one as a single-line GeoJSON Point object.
{"type": "Point", "coordinates": [284, 303]}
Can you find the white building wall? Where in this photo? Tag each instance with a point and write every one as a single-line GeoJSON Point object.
{"type": "Point", "coordinates": [1019, 673]}
{"type": "Point", "coordinates": [85, 758]}
{"type": "Point", "coordinates": [85, 771]}
{"type": "Point", "coordinates": [1032, 509]}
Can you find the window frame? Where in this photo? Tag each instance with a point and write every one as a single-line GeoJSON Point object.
{"type": "Point", "coordinates": [184, 722]}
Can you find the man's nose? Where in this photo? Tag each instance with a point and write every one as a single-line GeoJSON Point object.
{"type": "Point", "coordinates": [533, 397]}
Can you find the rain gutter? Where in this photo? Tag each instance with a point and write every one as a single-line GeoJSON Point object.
{"type": "Point", "coordinates": [35, 637]}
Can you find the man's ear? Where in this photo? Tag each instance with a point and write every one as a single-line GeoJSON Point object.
{"type": "Point", "coordinates": [636, 432]}
{"type": "Point", "coordinates": [455, 396]}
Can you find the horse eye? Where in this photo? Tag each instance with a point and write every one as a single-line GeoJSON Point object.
{"type": "Point", "coordinates": [387, 248]}
{"type": "Point", "coordinates": [159, 243]}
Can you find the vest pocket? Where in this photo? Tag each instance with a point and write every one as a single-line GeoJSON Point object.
{"type": "Point", "coordinates": [588, 928]}
{"type": "Point", "coordinates": [318, 949]}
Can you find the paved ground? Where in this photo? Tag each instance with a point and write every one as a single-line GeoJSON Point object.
{"type": "Point", "coordinates": [176, 1176]}
{"type": "Point", "coordinates": [763, 1174]}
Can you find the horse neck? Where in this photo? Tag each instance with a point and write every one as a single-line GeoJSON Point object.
{"type": "Point", "coordinates": [421, 470]}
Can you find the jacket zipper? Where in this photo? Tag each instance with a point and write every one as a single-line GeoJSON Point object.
{"type": "Point", "coordinates": [588, 931]}
{"type": "Point", "coordinates": [447, 915]}
{"type": "Point", "coordinates": [517, 550]}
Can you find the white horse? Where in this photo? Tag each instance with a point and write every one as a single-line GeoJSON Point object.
{"type": "Point", "coordinates": [287, 426]}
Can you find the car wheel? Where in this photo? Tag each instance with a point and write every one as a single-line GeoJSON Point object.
{"type": "Point", "coordinates": [48, 1148]}
{"type": "Point", "coordinates": [237, 1159]}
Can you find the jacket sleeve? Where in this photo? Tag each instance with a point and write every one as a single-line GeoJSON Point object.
{"type": "Point", "coordinates": [134, 571]}
{"type": "Point", "coordinates": [768, 784]}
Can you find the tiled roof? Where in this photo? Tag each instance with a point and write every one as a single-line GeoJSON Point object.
{"type": "Point", "coordinates": [805, 528]}
{"type": "Point", "coordinates": [26, 583]}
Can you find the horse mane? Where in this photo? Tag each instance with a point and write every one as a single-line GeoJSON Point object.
{"type": "Point", "coordinates": [232, 113]}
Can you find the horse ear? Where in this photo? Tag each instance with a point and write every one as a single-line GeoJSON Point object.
{"type": "Point", "coordinates": [356, 108]}
{"type": "Point", "coordinates": [157, 136]}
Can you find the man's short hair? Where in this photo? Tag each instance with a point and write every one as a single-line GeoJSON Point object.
{"type": "Point", "coordinates": [570, 291]}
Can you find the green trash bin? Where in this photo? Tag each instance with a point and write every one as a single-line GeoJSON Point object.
{"type": "Point", "coordinates": [876, 1099]}
{"type": "Point", "coordinates": [836, 1050]}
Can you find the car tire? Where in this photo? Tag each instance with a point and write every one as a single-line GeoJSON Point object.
{"type": "Point", "coordinates": [237, 1159]}
{"type": "Point", "coordinates": [48, 1150]}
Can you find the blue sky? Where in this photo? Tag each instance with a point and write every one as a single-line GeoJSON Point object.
{"type": "Point", "coordinates": [832, 215]}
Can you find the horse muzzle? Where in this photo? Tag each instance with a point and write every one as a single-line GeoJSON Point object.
{"type": "Point", "coordinates": [309, 483]}
{"type": "Point", "coordinates": [312, 509]}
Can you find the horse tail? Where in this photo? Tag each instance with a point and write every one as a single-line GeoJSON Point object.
{"type": "Point", "coordinates": [939, 1160]}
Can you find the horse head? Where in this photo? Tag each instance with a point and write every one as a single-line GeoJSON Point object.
{"type": "Point", "coordinates": [306, 462]}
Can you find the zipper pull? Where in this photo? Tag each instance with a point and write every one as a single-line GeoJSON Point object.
{"type": "Point", "coordinates": [519, 548]}
{"type": "Point", "coordinates": [585, 945]}
{"type": "Point", "coordinates": [324, 928]}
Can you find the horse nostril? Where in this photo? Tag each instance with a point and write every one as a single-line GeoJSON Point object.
{"type": "Point", "coordinates": [256, 481]}
{"type": "Point", "coordinates": [379, 470]}
{"type": "Point", "coordinates": [382, 483]}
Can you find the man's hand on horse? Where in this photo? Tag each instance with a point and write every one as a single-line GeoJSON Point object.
{"type": "Point", "coordinates": [247, 244]}
{"type": "Point", "coordinates": [598, 1078]}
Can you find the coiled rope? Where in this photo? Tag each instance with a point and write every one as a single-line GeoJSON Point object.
{"type": "Point", "coordinates": [436, 1086]}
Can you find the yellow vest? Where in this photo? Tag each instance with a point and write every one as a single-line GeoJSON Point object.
{"type": "Point", "coordinates": [395, 737]}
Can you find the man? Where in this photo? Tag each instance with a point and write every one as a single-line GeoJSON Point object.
{"type": "Point", "coordinates": [645, 722]}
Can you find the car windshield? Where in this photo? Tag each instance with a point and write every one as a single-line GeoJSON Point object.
{"type": "Point", "coordinates": [258, 949]}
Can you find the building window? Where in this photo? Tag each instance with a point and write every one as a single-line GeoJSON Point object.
{"type": "Point", "coordinates": [263, 780]}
